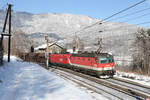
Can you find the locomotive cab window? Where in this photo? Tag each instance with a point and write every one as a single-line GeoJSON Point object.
{"type": "Point", "coordinates": [103, 60]}
{"type": "Point", "coordinates": [106, 60]}
{"type": "Point", "coordinates": [111, 60]}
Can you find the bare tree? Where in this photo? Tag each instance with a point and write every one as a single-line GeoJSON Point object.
{"type": "Point", "coordinates": [20, 42]}
{"type": "Point", "coordinates": [141, 59]}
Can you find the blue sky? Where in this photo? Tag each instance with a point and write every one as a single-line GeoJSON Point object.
{"type": "Point", "coordinates": [94, 8]}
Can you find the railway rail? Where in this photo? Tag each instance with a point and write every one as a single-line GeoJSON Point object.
{"type": "Point", "coordinates": [131, 82]}
{"type": "Point", "coordinates": [136, 87]}
{"type": "Point", "coordinates": [112, 88]}
{"type": "Point", "coordinates": [89, 85]}
{"type": "Point", "coordinates": [121, 88]}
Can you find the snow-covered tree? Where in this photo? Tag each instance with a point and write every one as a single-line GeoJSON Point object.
{"type": "Point", "coordinates": [142, 57]}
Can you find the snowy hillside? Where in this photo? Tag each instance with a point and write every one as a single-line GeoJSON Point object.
{"type": "Point", "coordinates": [27, 81]}
{"type": "Point", "coordinates": [118, 38]}
{"type": "Point", "coordinates": [57, 23]}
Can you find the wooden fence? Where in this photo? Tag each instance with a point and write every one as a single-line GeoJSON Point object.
{"type": "Point", "coordinates": [33, 57]}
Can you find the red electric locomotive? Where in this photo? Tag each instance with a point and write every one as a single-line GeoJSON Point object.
{"type": "Point", "coordinates": [98, 64]}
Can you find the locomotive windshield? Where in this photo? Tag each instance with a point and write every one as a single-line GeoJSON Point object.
{"type": "Point", "coordinates": [106, 60]}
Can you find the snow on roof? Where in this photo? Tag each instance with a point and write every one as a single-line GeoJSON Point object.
{"type": "Point", "coordinates": [41, 46]}
{"type": "Point", "coordinates": [28, 81]}
{"type": "Point", "coordinates": [59, 43]}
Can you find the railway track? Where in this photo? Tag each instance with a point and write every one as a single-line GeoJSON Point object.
{"type": "Point", "coordinates": [89, 85]}
{"type": "Point", "coordinates": [131, 82]}
{"type": "Point", "coordinates": [112, 88]}
{"type": "Point", "coordinates": [128, 85]}
{"type": "Point", "coordinates": [122, 89]}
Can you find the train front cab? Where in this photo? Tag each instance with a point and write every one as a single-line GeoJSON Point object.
{"type": "Point", "coordinates": [106, 66]}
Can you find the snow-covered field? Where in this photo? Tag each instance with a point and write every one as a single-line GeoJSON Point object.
{"type": "Point", "coordinates": [27, 81]}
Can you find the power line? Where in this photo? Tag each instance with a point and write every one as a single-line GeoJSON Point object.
{"type": "Point", "coordinates": [130, 14]}
{"type": "Point", "coordinates": [124, 10]}
{"type": "Point", "coordinates": [111, 16]}
{"type": "Point", "coordinates": [131, 25]}
{"type": "Point", "coordinates": [99, 22]}
{"type": "Point", "coordinates": [131, 19]}
{"type": "Point", "coordinates": [134, 18]}
{"type": "Point", "coordinates": [137, 17]}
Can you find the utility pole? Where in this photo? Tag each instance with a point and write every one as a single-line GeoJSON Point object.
{"type": "Point", "coordinates": [9, 38]}
{"type": "Point", "coordinates": [9, 33]}
{"type": "Point", "coordinates": [47, 51]}
{"type": "Point", "coordinates": [99, 45]}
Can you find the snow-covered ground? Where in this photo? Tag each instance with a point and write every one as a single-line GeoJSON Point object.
{"type": "Point", "coordinates": [27, 81]}
{"type": "Point", "coordinates": [144, 80]}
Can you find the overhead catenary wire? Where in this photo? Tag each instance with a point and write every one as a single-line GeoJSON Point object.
{"type": "Point", "coordinates": [99, 22]}
{"type": "Point", "coordinates": [134, 18]}
{"type": "Point", "coordinates": [124, 10]}
{"type": "Point", "coordinates": [131, 25]}
{"type": "Point", "coordinates": [130, 14]}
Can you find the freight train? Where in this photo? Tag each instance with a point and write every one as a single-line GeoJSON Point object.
{"type": "Point", "coordinates": [101, 64]}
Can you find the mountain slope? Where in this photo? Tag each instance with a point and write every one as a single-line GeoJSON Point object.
{"type": "Point", "coordinates": [118, 38]}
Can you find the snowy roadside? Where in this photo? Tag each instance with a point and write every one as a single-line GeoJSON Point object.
{"type": "Point", "coordinates": [141, 79]}
{"type": "Point", "coordinates": [28, 81]}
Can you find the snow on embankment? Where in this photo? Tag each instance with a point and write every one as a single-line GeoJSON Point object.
{"type": "Point", "coordinates": [144, 80]}
{"type": "Point", "coordinates": [28, 81]}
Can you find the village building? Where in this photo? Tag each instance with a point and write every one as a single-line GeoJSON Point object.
{"type": "Point", "coordinates": [53, 48]}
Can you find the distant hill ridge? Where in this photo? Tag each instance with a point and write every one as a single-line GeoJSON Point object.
{"type": "Point", "coordinates": [117, 37]}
